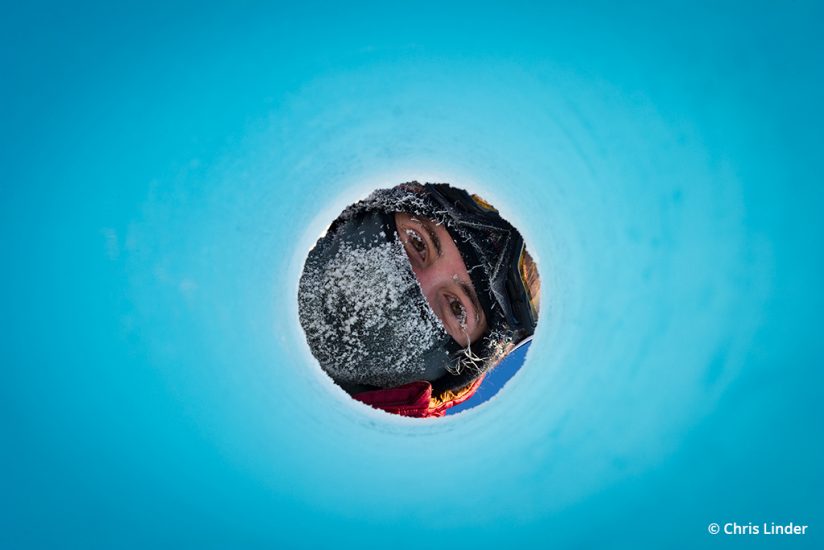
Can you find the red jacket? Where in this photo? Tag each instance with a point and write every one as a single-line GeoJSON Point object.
{"type": "Point", "coordinates": [415, 399]}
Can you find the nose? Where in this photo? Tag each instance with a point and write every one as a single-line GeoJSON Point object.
{"type": "Point", "coordinates": [431, 278]}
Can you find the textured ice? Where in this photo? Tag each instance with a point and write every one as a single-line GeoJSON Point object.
{"type": "Point", "coordinates": [165, 172]}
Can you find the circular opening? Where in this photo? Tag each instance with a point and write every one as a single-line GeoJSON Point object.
{"type": "Point", "coordinates": [420, 300]}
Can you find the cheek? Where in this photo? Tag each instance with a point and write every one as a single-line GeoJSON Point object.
{"type": "Point", "coordinates": [479, 330]}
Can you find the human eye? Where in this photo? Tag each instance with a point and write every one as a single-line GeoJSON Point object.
{"type": "Point", "coordinates": [414, 239]}
{"type": "Point", "coordinates": [458, 310]}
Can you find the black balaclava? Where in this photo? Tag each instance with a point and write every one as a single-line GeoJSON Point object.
{"type": "Point", "coordinates": [365, 316]}
{"type": "Point", "coordinates": [490, 248]}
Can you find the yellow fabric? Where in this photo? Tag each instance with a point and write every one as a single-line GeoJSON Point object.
{"type": "Point", "coordinates": [448, 396]}
{"type": "Point", "coordinates": [531, 281]}
{"type": "Point", "coordinates": [483, 204]}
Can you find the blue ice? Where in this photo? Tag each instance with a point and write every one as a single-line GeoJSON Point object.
{"type": "Point", "coordinates": [166, 169]}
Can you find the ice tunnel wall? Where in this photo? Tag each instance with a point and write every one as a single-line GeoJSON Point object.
{"type": "Point", "coordinates": [165, 171]}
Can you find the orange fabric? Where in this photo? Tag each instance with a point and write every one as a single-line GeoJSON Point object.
{"type": "Point", "coordinates": [450, 398]}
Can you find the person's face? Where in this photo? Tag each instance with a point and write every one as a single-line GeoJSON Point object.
{"type": "Point", "coordinates": [442, 274]}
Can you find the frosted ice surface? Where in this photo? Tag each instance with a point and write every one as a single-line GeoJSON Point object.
{"type": "Point", "coordinates": [662, 163]}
